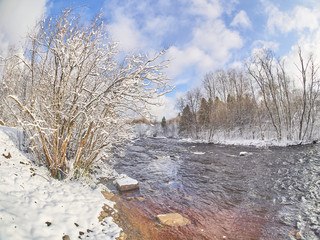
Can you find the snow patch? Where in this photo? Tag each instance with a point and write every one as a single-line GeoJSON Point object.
{"type": "Point", "coordinates": [35, 206]}
{"type": "Point", "coordinates": [162, 157]}
{"type": "Point", "coordinates": [243, 153]}
{"type": "Point", "coordinates": [247, 142]}
{"type": "Point", "coordinates": [199, 153]}
{"type": "Point", "coordinates": [126, 181]}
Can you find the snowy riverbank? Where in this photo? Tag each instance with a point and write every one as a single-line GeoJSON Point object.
{"type": "Point", "coordinates": [243, 138]}
{"type": "Point", "coordinates": [35, 206]}
{"type": "Point", "coordinates": [248, 142]}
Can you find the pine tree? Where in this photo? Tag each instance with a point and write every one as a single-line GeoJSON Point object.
{"type": "Point", "coordinates": [186, 121]}
{"type": "Point", "coordinates": [163, 122]}
{"type": "Point", "coordinates": [204, 112]}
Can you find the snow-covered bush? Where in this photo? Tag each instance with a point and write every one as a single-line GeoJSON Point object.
{"type": "Point", "coordinates": [74, 91]}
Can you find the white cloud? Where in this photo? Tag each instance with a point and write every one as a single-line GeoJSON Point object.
{"type": "Point", "coordinates": [166, 108]}
{"type": "Point", "coordinates": [212, 42]}
{"type": "Point", "coordinates": [125, 31]}
{"type": "Point", "coordinates": [209, 9]}
{"type": "Point", "coordinates": [216, 39]}
{"type": "Point", "coordinates": [158, 26]}
{"type": "Point", "coordinates": [138, 26]}
{"type": "Point", "coordinates": [298, 19]}
{"type": "Point", "coordinates": [303, 20]}
{"type": "Point", "coordinates": [237, 65]}
{"type": "Point", "coordinates": [198, 39]}
{"type": "Point", "coordinates": [17, 17]}
{"type": "Point", "coordinates": [230, 6]}
{"type": "Point", "coordinates": [260, 44]}
{"type": "Point", "coordinates": [241, 19]}
{"type": "Point", "coordinates": [183, 59]}
{"type": "Point", "coordinates": [209, 49]}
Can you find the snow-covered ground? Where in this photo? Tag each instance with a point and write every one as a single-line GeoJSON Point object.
{"type": "Point", "coordinates": [35, 206]}
{"type": "Point", "coordinates": [247, 142]}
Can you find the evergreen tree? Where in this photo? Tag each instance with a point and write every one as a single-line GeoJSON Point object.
{"type": "Point", "coordinates": [204, 112]}
{"type": "Point", "coordinates": [186, 121]}
{"type": "Point", "coordinates": [163, 122]}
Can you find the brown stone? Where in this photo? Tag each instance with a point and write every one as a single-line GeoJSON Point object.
{"type": "Point", "coordinates": [7, 156]}
{"type": "Point", "coordinates": [122, 236]}
{"type": "Point", "coordinates": [173, 219]}
{"type": "Point", "coordinates": [65, 237]}
{"type": "Point", "coordinates": [141, 199]}
{"type": "Point", "coordinates": [108, 195]}
{"type": "Point", "coordinates": [103, 214]}
{"type": "Point", "coordinates": [298, 236]}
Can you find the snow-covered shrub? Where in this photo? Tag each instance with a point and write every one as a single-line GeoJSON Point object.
{"type": "Point", "coordinates": [75, 91]}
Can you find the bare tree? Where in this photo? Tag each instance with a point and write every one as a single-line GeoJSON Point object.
{"type": "Point", "coordinates": [262, 69]}
{"type": "Point", "coordinates": [289, 108]}
{"type": "Point", "coordinates": [209, 85]}
{"type": "Point", "coordinates": [262, 99]}
{"type": "Point", "coordinates": [180, 103]}
{"type": "Point", "coordinates": [310, 93]}
{"type": "Point", "coordinates": [193, 99]}
{"type": "Point", "coordinates": [285, 97]}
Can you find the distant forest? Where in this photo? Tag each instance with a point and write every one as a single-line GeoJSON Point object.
{"type": "Point", "coordinates": [262, 101]}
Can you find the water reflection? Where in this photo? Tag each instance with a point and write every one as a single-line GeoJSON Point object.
{"type": "Point", "coordinates": [267, 194]}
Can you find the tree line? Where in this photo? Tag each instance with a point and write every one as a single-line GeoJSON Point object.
{"type": "Point", "coordinates": [263, 100]}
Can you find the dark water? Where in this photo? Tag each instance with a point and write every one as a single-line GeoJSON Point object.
{"type": "Point", "coordinates": [268, 194]}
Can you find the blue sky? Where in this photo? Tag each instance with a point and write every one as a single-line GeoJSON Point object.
{"type": "Point", "coordinates": [199, 35]}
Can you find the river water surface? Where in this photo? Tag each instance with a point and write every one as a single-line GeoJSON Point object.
{"type": "Point", "coordinates": [270, 193]}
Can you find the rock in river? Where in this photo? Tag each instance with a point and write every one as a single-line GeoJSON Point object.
{"type": "Point", "coordinates": [173, 219]}
{"type": "Point", "coordinates": [126, 184]}
{"type": "Point", "coordinates": [243, 153]}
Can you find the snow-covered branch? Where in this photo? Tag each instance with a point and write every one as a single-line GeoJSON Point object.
{"type": "Point", "coordinates": [74, 95]}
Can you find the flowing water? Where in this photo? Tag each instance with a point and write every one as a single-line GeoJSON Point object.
{"type": "Point", "coordinates": [270, 193]}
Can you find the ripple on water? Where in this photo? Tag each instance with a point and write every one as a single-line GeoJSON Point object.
{"type": "Point", "coordinates": [267, 194]}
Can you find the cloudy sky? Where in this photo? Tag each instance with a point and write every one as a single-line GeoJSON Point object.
{"type": "Point", "coordinates": [199, 35]}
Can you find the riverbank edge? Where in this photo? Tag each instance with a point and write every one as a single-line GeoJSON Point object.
{"type": "Point", "coordinates": [258, 143]}
{"type": "Point", "coordinates": [250, 143]}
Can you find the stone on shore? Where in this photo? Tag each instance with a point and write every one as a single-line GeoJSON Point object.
{"type": "Point", "coordinates": [122, 236]}
{"type": "Point", "coordinates": [108, 195]}
{"type": "Point", "coordinates": [65, 237]}
{"type": "Point", "coordinates": [173, 219]}
{"type": "Point", "coordinates": [127, 184]}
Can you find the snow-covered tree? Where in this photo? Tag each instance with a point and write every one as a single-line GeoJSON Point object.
{"type": "Point", "coordinates": [77, 91]}
{"type": "Point", "coordinates": [290, 108]}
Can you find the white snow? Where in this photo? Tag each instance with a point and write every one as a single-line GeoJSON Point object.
{"type": "Point", "coordinates": [29, 198]}
{"type": "Point", "coordinates": [247, 142]}
{"type": "Point", "coordinates": [198, 153]}
{"type": "Point", "coordinates": [162, 157]}
{"type": "Point", "coordinates": [243, 153]}
{"type": "Point", "coordinates": [125, 180]}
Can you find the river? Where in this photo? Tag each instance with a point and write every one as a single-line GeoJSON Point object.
{"type": "Point", "coordinates": [270, 193]}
